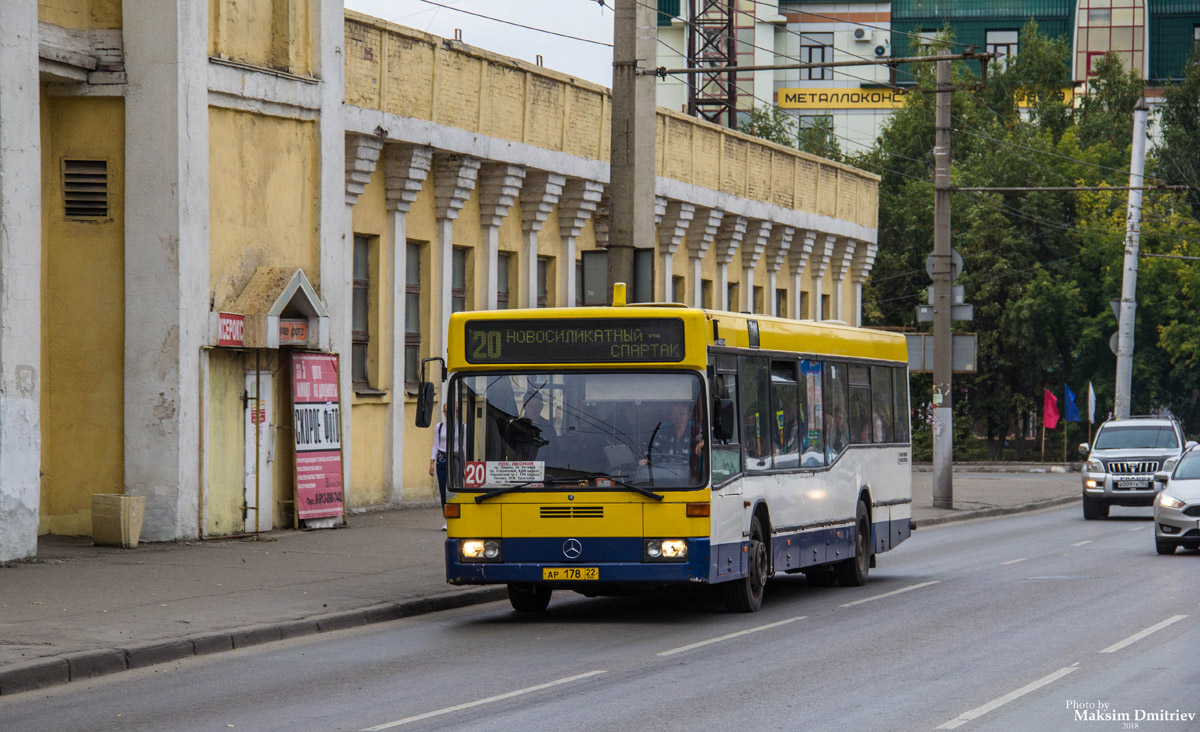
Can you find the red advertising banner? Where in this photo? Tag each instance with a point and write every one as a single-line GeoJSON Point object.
{"type": "Point", "coordinates": [230, 329]}
{"type": "Point", "coordinates": [318, 435]}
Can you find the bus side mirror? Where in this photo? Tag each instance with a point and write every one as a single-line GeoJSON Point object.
{"type": "Point", "coordinates": [424, 404]}
{"type": "Point", "coordinates": [724, 419]}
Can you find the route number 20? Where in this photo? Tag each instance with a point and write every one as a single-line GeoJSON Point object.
{"type": "Point", "coordinates": [475, 475]}
{"type": "Point", "coordinates": [485, 345]}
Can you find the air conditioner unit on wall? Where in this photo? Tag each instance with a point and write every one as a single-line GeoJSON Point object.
{"type": "Point", "coordinates": [883, 44]}
{"type": "Point", "coordinates": [861, 34]}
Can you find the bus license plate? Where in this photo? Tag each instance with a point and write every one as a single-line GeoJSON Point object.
{"type": "Point", "coordinates": [570, 573]}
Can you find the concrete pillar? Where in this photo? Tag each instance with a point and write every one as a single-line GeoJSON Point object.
{"type": "Point", "coordinates": [166, 258]}
{"type": "Point", "coordinates": [864, 262]}
{"type": "Point", "coordinates": [499, 186]}
{"type": "Point", "coordinates": [579, 201]}
{"type": "Point", "coordinates": [454, 179]}
{"type": "Point", "coordinates": [405, 168]}
{"type": "Point", "coordinates": [601, 221]}
{"type": "Point", "coordinates": [822, 253]}
{"type": "Point", "coordinates": [802, 247]}
{"type": "Point", "coordinates": [672, 225]}
{"type": "Point", "coordinates": [701, 233]}
{"type": "Point", "coordinates": [839, 267]}
{"type": "Point", "coordinates": [538, 198]}
{"type": "Point", "coordinates": [729, 239]}
{"type": "Point", "coordinates": [20, 282]}
{"type": "Point", "coordinates": [778, 247]}
{"type": "Point", "coordinates": [757, 234]}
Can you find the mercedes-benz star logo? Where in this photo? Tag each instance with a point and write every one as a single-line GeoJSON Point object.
{"type": "Point", "coordinates": [572, 548]}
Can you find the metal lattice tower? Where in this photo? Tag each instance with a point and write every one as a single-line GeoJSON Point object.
{"type": "Point", "coordinates": [711, 42]}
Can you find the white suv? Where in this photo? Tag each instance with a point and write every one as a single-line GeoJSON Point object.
{"type": "Point", "coordinates": [1123, 459]}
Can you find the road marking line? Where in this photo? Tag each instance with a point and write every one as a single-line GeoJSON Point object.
{"type": "Point", "coordinates": [468, 705]}
{"type": "Point", "coordinates": [1139, 528]}
{"type": "Point", "coordinates": [910, 588]}
{"type": "Point", "coordinates": [1081, 543]}
{"type": "Point", "coordinates": [1015, 561]}
{"type": "Point", "coordinates": [997, 703]}
{"type": "Point", "coordinates": [681, 649]}
{"type": "Point", "coordinates": [1138, 636]}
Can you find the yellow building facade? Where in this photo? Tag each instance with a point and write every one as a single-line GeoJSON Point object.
{"type": "Point", "coordinates": [281, 176]}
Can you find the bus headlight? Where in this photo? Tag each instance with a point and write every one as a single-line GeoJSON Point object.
{"type": "Point", "coordinates": [480, 550]}
{"type": "Point", "coordinates": [666, 550]}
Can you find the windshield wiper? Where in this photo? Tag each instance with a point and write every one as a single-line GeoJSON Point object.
{"type": "Point", "coordinates": [564, 481]}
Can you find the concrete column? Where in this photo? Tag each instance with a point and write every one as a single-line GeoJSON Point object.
{"type": "Point", "coordinates": [454, 179]}
{"type": "Point", "coordinates": [839, 267]}
{"type": "Point", "coordinates": [20, 282]}
{"type": "Point", "coordinates": [778, 247]}
{"type": "Point", "coordinates": [405, 168]}
{"type": "Point", "coordinates": [499, 186]}
{"type": "Point", "coordinates": [822, 253]}
{"type": "Point", "coordinates": [701, 233]}
{"type": "Point", "coordinates": [672, 225]}
{"type": "Point", "coordinates": [166, 258]}
{"type": "Point", "coordinates": [802, 248]}
{"type": "Point", "coordinates": [539, 195]}
{"type": "Point", "coordinates": [757, 234]}
{"type": "Point", "coordinates": [579, 201]}
{"type": "Point", "coordinates": [864, 262]}
{"type": "Point", "coordinates": [729, 239]}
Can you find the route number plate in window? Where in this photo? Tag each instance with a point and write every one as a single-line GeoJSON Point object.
{"type": "Point", "coordinates": [570, 573]}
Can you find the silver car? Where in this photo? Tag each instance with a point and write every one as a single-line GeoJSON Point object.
{"type": "Point", "coordinates": [1123, 459]}
{"type": "Point", "coordinates": [1177, 507]}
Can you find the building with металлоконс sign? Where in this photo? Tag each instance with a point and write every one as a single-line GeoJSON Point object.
{"type": "Point", "coordinates": [226, 195]}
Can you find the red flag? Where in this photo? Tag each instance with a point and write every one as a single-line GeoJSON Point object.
{"type": "Point", "coordinates": [1049, 410]}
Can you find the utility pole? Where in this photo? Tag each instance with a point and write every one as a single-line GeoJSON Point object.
{"type": "Point", "coordinates": [943, 413]}
{"type": "Point", "coordinates": [631, 168]}
{"type": "Point", "coordinates": [1133, 225]}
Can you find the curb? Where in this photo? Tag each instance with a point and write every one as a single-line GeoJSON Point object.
{"type": "Point", "coordinates": [80, 665]}
{"type": "Point", "coordinates": [991, 512]}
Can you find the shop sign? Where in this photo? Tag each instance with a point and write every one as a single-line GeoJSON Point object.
{"type": "Point", "coordinates": [293, 332]}
{"type": "Point", "coordinates": [231, 329]}
{"type": "Point", "coordinates": [318, 435]}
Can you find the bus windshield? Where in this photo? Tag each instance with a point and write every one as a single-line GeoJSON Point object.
{"type": "Point", "coordinates": [583, 430]}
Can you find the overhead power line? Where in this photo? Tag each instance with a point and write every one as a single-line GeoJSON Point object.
{"type": "Point", "coordinates": [518, 25]}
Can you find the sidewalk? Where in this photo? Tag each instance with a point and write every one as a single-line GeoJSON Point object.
{"type": "Point", "coordinates": [78, 610]}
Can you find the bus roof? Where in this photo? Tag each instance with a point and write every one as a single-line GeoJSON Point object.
{"type": "Point", "coordinates": [734, 330]}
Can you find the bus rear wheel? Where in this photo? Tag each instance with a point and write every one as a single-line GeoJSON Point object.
{"type": "Point", "coordinates": [853, 572]}
{"type": "Point", "coordinates": [528, 597]}
{"type": "Point", "coordinates": [745, 595]}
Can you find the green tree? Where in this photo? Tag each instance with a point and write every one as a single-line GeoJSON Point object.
{"type": "Point", "coordinates": [1179, 154]}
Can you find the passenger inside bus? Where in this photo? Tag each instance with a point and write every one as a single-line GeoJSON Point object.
{"type": "Point", "coordinates": [530, 433]}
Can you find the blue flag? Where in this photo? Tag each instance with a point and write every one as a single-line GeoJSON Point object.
{"type": "Point", "coordinates": [1072, 412]}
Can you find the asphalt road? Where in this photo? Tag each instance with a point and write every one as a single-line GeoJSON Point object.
{"type": "Point", "coordinates": [1016, 623]}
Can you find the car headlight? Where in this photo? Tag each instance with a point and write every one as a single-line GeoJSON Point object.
{"type": "Point", "coordinates": [666, 550]}
{"type": "Point", "coordinates": [1095, 466]}
{"type": "Point", "coordinates": [1166, 500]}
{"type": "Point", "coordinates": [480, 550]}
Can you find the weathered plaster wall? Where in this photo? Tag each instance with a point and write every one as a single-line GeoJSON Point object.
{"type": "Point", "coordinates": [81, 14]}
{"type": "Point", "coordinates": [83, 328]}
{"type": "Point", "coordinates": [275, 34]}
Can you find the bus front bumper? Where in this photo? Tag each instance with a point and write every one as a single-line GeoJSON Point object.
{"type": "Point", "coordinates": [527, 560]}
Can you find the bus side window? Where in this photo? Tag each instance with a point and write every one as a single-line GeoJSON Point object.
{"type": "Point", "coordinates": [756, 411]}
{"type": "Point", "coordinates": [726, 454]}
{"type": "Point", "coordinates": [881, 404]}
{"type": "Point", "coordinates": [837, 434]}
{"type": "Point", "coordinates": [812, 422]}
{"type": "Point", "coordinates": [900, 393]}
{"type": "Point", "coordinates": [785, 415]}
{"type": "Point", "coordinates": [860, 405]}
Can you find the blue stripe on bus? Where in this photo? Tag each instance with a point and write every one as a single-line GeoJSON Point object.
{"type": "Point", "coordinates": [524, 559]}
{"type": "Point", "coordinates": [806, 549]}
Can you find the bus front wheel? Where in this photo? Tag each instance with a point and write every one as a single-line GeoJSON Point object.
{"type": "Point", "coordinates": [853, 572]}
{"type": "Point", "coordinates": [745, 595]}
{"type": "Point", "coordinates": [528, 598]}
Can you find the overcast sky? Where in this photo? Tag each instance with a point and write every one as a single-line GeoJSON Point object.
{"type": "Point", "coordinates": [583, 18]}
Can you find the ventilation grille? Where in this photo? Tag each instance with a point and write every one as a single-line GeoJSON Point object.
{"type": "Point", "coordinates": [1128, 467]}
{"type": "Point", "coordinates": [85, 189]}
{"type": "Point", "coordinates": [1192, 511]}
{"type": "Point", "coordinates": [561, 512]}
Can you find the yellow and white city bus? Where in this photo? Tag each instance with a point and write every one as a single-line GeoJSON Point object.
{"type": "Point", "coordinates": [601, 447]}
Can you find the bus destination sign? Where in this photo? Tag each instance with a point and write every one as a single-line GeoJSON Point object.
{"type": "Point", "coordinates": [584, 340]}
